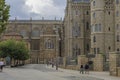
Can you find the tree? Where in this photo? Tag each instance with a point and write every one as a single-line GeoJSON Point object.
{"type": "Point", "coordinates": [16, 50]}
{"type": "Point", "coordinates": [4, 15]}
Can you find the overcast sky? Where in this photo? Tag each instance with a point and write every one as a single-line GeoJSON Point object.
{"type": "Point", "coordinates": [24, 9]}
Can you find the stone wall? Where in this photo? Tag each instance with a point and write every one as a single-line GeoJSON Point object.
{"type": "Point", "coordinates": [82, 60]}
{"type": "Point", "coordinates": [113, 63]}
{"type": "Point", "coordinates": [98, 63]}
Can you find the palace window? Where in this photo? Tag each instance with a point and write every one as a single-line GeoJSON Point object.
{"type": "Point", "coordinates": [117, 13]}
{"type": "Point", "coordinates": [118, 49]}
{"type": "Point", "coordinates": [88, 47]}
{"type": "Point", "coordinates": [117, 1]}
{"type": "Point", "coordinates": [97, 28]}
{"type": "Point", "coordinates": [117, 26]}
{"type": "Point", "coordinates": [93, 3]}
{"type": "Point", "coordinates": [87, 13]}
{"type": "Point", "coordinates": [87, 25]}
{"type": "Point", "coordinates": [109, 12]}
{"type": "Point", "coordinates": [109, 48]}
{"type": "Point", "coordinates": [76, 12]}
{"type": "Point", "coordinates": [94, 50]}
{"type": "Point", "coordinates": [118, 38]}
{"type": "Point", "coordinates": [94, 15]}
{"type": "Point", "coordinates": [94, 39]}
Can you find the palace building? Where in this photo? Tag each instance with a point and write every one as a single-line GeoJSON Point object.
{"type": "Point", "coordinates": [89, 27]}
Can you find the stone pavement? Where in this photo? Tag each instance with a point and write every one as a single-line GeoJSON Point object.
{"type": "Point", "coordinates": [43, 72]}
{"type": "Point", "coordinates": [91, 76]}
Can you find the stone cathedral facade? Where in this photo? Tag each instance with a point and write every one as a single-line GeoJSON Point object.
{"type": "Point", "coordinates": [89, 26]}
{"type": "Point", "coordinates": [43, 36]}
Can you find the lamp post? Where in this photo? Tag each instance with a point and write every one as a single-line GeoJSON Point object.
{"type": "Point", "coordinates": [56, 50]}
{"type": "Point", "coordinates": [76, 47]}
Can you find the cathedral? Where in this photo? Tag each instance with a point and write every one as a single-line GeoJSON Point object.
{"type": "Point", "coordinates": [88, 27]}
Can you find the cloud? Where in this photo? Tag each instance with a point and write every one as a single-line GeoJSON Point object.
{"type": "Point", "coordinates": [37, 8]}
{"type": "Point", "coordinates": [45, 8]}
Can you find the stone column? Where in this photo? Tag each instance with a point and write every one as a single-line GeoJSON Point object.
{"type": "Point", "coordinates": [98, 62]}
{"type": "Point", "coordinates": [64, 62]}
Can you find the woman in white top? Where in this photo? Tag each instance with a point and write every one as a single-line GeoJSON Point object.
{"type": "Point", "coordinates": [1, 65]}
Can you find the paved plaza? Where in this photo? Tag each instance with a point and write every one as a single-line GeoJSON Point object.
{"type": "Point", "coordinates": [43, 72]}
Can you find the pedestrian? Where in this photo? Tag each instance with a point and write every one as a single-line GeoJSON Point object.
{"type": "Point", "coordinates": [86, 69]}
{"type": "Point", "coordinates": [1, 65]}
{"type": "Point", "coordinates": [81, 69]}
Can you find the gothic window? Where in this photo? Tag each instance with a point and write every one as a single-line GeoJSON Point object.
{"type": "Point", "coordinates": [93, 28]}
{"type": "Point", "coordinates": [94, 39]}
{"type": "Point", "coordinates": [88, 47]}
{"type": "Point", "coordinates": [96, 27]}
{"type": "Point", "coordinates": [87, 25]}
{"type": "Point", "coordinates": [35, 45]}
{"type": "Point", "coordinates": [99, 27]}
{"type": "Point", "coordinates": [76, 50]}
{"type": "Point", "coordinates": [93, 3]}
{"type": "Point", "coordinates": [49, 44]}
{"type": "Point", "coordinates": [76, 30]}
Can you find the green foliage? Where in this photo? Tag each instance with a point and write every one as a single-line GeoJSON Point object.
{"type": "Point", "coordinates": [4, 15]}
{"type": "Point", "coordinates": [14, 49]}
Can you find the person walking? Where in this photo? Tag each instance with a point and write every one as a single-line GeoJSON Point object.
{"type": "Point", "coordinates": [86, 69]}
{"type": "Point", "coordinates": [81, 69]}
{"type": "Point", "coordinates": [1, 65]}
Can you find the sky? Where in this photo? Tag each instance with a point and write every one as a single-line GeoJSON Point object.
{"type": "Point", "coordinates": [24, 9]}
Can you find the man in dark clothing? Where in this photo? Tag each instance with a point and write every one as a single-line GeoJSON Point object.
{"type": "Point", "coordinates": [87, 68]}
